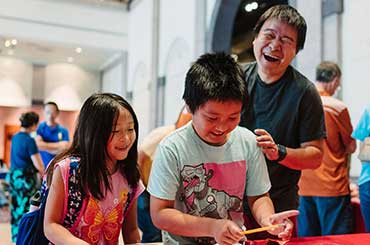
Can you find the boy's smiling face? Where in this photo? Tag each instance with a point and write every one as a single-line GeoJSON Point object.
{"type": "Point", "coordinates": [214, 120]}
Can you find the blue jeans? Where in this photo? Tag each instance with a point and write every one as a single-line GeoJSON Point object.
{"type": "Point", "coordinates": [365, 203]}
{"type": "Point", "coordinates": [319, 216]}
{"type": "Point", "coordinates": [150, 232]}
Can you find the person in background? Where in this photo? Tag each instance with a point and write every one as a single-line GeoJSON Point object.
{"type": "Point", "coordinates": [325, 198]}
{"type": "Point", "coordinates": [362, 131]}
{"type": "Point", "coordinates": [145, 157]}
{"type": "Point", "coordinates": [285, 109]}
{"type": "Point", "coordinates": [51, 138]}
{"type": "Point", "coordinates": [26, 169]}
{"type": "Point", "coordinates": [202, 171]}
{"type": "Point", "coordinates": [105, 147]}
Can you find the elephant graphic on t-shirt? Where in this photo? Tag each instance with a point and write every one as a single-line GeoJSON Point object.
{"type": "Point", "coordinates": [203, 200]}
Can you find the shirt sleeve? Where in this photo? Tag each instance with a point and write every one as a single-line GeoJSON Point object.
{"type": "Point", "coordinates": [32, 147]}
{"type": "Point", "coordinates": [65, 135]}
{"type": "Point", "coordinates": [258, 181]}
{"type": "Point", "coordinates": [164, 177]}
{"type": "Point", "coordinates": [311, 116]}
{"type": "Point", "coordinates": [345, 127]}
{"type": "Point", "coordinates": [363, 127]}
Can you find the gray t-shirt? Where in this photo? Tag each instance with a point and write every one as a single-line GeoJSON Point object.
{"type": "Point", "coordinates": [206, 180]}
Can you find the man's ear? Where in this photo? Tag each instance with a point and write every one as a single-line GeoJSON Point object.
{"type": "Point", "coordinates": [188, 109]}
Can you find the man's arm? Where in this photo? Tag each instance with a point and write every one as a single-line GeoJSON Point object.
{"type": "Point", "coordinates": [307, 156]}
{"type": "Point", "coordinates": [52, 147]}
{"type": "Point", "coordinates": [165, 217]}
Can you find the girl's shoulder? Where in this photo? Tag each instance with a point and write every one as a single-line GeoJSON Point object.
{"type": "Point", "coordinates": [66, 165]}
{"type": "Point", "coordinates": [67, 162]}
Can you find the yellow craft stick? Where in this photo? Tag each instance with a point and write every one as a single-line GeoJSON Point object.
{"type": "Point", "coordinates": [266, 228]}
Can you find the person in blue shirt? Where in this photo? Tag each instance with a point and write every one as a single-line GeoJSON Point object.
{"type": "Point", "coordinates": [362, 131]}
{"type": "Point", "coordinates": [25, 165]}
{"type": "Point", "coordinates": [51, 138]}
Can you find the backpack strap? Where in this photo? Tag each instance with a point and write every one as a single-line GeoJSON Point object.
{"type": "Point", "coordinates": [73, 197]}
{"type": "Point", "coordinates": [130, 198]}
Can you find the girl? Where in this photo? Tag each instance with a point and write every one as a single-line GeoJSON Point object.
{"type": "Point", "coordinates": [25, 164]}
{"type": "Point", "coordinates": [105, 145]}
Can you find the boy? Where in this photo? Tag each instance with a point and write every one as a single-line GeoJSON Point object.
{"type": "Point", "coordinates": [202, 171]}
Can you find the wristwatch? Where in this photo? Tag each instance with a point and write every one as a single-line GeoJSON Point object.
{"type": "Point", "coordinates": [282, 152]}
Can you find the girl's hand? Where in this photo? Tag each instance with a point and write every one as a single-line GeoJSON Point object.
{"type": "Point", "coordinates": [284, 232]}
{"type": "Point", "coordinates": [226, 232]}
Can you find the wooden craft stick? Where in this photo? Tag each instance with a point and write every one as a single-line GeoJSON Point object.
{"type": "Point", "coordinates": [266, 228]}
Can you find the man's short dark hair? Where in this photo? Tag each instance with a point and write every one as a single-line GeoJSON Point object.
{"type": "Point", "coordinates": [289, 15]}
{"type": "Point", "coordinates": [52, 103]}
{"type": "Point", "coordinates": [215, 77]}
{"type": "Point", "coordinates": [326, 71]}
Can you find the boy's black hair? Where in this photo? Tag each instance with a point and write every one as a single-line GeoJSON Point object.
{"type": "Point", "coordinates": [215, 77]}
{"type": "Point", "coordinates": [52, 103]}
{"type": "Point", "coordinates": [96, 121]}
{"type": "Point", "coordinates": [29, 119]}
{"type": "Point", "coordinates": [289, 15]}
{"type": "Point", "coordinates": [326, 71]}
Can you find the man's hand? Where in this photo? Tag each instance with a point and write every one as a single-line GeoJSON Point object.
{"type": "Point", "coordinates": [267, 144]}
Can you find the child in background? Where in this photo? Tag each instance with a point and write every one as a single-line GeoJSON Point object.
{"type": "Point", "coordinates": [202, 171]}
{"type": "Point", "coordinates": [145, 155]}
{"type": "Point", "coordinates": [105, 144]}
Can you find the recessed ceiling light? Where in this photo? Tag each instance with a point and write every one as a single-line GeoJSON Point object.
{"type": "Point", "coordinates": [251, 6]}
{"type": "Point", "coordinates": [70, 59]}
{"type": "Point", "coordinates": [14, 41]}
{"type": "Point", "coordinates": [78, 50]}
{"type": "Point", "coordinates": [7, 43]}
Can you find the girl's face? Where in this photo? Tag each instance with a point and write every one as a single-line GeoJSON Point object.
{"type": "Point", "coordinates": [122, 137]}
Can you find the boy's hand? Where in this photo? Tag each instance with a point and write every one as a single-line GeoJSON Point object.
{"type": "Point", "coordinates": [285, 232]}
{"type": "Point", "coordinates": [226, 232]}
{"type": "Point", "coordinates": [267, 144]}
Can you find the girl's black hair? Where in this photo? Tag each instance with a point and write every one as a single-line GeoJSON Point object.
{"type": "Point", "coordinates": [29, 119]}
{"type": "Point", "coordinates": [96, 121]}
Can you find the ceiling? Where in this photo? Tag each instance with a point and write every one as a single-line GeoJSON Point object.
{"type": "Point", "coordinates": [42, 53]}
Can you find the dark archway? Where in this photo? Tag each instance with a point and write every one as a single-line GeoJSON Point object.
{"type": "Point", "coordinates": [232, 26]}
